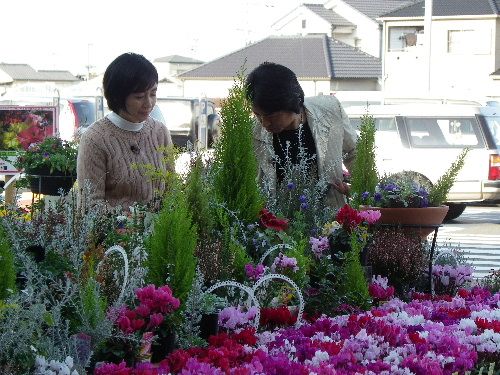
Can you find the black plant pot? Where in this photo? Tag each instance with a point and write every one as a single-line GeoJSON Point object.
{"type": "Point", "coordinates": [209, 325]}
{"type": "Point", "coordinates": [46, 183]}
{"type": "Point", "coordinates": [163, 346]}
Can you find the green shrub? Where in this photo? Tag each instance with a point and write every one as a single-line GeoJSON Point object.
{"type": "Point", "coordinates": [439, 191]}
{"type": "Point", "coordinates": [364, 173]}
{"type": "Point", "coordinates": [7, 268]}
{"type": "Point", "coordinates": [171, 246]}
{"type": "Point", "coordinates": [235, 164]}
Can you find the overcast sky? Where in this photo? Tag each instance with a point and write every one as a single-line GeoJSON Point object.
{"type": "Point", "coordinates": [69, 34]}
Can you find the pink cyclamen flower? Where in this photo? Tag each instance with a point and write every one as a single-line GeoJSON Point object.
{"type": "Point", "coordinates": [254, 273]}
{"type": "Point", "coordinates": [283, 262]}
{"type": "Point", "coordinates": [319, 245]}
{"type": "Point", "coordinates": [370, 216]}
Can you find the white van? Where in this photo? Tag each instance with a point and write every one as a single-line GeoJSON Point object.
{"type": "Point", "coordinates": [427, 138]}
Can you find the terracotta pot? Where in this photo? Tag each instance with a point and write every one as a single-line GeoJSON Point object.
{"type": "Point", "coordinates": [418, 220]}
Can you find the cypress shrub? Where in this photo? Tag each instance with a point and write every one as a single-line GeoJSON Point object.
{"type": "Point", "coordinates": [7, 268]}
{"type": "Point", "coordinates": [171, 246]}
{"type": "Point", "coordinates": [364, 173]}
{"type": "Point", "coordinates": [235, 164]}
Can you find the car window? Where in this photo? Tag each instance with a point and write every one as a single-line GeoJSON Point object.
{"type": "Point", "coordinates": [443, 132]}
{"type": "Point", "coordinates": [85, 112]}
{"type": "Point", "coordinates": [386, 130]}
{"type": "Point", "coordinates": [157, 114]}
{"type": "Point", "coordinates": [494, 125]}
{"type": "Point", "coordinates": [177, 113]}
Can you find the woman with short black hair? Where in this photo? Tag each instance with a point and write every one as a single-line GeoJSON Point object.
{"type": "Point", "coordinates": [292, 129]}
{"type": "Point", "coordinates": [112, 148]}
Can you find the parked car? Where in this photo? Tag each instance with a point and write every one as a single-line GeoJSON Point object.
{"type": "Point", "coordinates": [183, 117]}
{"type": "Point", "coordinates": [426, 138]}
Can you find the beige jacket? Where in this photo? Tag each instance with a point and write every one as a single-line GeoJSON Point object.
{"type": "Point", "coordinates": [335, 144]}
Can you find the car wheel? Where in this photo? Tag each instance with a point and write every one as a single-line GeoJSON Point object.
{"type": "Point", "coordinates": [454, 211]}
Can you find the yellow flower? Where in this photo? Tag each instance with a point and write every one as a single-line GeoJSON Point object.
{"type": "Point", "coordinates": [329, 228]}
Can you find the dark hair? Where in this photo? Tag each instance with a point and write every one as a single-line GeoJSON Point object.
{"type": "Point", "coordinates": [128, 73]}
{"type": "Point", "coordinates": [273, 87]}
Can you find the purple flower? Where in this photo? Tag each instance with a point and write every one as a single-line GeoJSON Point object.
{"type": "Point", "coordinates": [290, 186]}
{"type": "Point", "coordinates": [365, 196]}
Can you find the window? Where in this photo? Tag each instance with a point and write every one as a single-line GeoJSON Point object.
{"type": "Point", "coordinates": [442, 132]}
{"type": "Point", "coordinates": [403, 37]}
{"type": "Point", "coordinates": [303, 24]}
{"type": "Point", "coordinates": [468, 42]}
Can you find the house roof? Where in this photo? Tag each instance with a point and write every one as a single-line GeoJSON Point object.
{"type": "Point", "coordinates": [449, 8]}
{"type": "Point", "coordinates": [21, 72]}
{"type": "Point", "coordinates": [56, 75]}
{"type": "Point", "coordinates": [310, 57]}
{"type": "Point", "coordinates": [375, 8]}
{"type": "Point", "coordinates": [177, 59]}
{"type": "Point", "coordinates": [24, 72]}
{"type": "Point", "coordinates": [328, 15]}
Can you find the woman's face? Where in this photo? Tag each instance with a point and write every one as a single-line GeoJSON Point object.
{"type": "Point", "coordinates": [277, 121]}
{"type": "Point", "coordinates": [139, 105]}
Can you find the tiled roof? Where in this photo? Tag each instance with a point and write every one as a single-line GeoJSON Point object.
{"type": "Point", "coordinates": [375, 8]}
{"type": "Point", "coordinates": [449, 8]}
{"type": "Point", "coordinates": [24, 72]}
{"type": "Point", "coordinates": [328, 15]}
{"type": "Point", "coordinates": [56, 75]}
{"type": "Point", "coordinates": [348, 62]}
{"type": "Point", "coordinates": [177, 59]}
{"type": "Point", "coordinates": [310, 57]}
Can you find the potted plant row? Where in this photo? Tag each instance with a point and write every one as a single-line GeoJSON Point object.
{"type": "Point", "coordinates": [49, 165]}
{"type": "Point", "coordinates": [404, 198]}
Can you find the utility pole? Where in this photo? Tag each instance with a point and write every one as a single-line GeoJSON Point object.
{"type": "Point", "coordinates": [427, 46]}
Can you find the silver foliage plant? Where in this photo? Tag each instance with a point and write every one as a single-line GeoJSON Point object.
{"type": "Point", "coordinates": [45, 316]}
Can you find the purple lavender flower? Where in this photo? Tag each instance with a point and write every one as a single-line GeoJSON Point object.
{"type": "Point", "coordinates": [365, 196]}
{"type": "Point", "coordinates": [290, 186]}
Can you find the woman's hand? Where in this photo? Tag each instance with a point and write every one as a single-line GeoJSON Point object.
{"type": "Point", "coordinates": [342, 187]}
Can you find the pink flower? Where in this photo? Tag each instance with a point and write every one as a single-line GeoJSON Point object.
{"type": "Point", "coordinates": [370, 216]}
{"type": "Point", "coordinates": [113, 369]}
{"type": "Point", "coordinates": [155, 320]}
{"type": "Point", "coordinates": [319, 245]}
{"type": "Point", "coordinates": [124, 324]}
{"type": "Point", "coordinates": [254, 273]}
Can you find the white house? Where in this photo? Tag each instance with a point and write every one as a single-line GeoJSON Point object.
{"type": "Point", "coordinates": [23, 80]}
{"type": "Point", "coordinates": [464, 51]}
{"type": "Point", "coordinates": [353, 22]}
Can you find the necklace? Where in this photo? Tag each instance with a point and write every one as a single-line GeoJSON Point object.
{"type": "Point", "coordinates": [136, 147]}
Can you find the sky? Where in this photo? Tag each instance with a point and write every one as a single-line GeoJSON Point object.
{"type": "Point", "coordinates": [72, 35]}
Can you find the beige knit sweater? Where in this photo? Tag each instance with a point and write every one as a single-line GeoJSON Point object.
{"type": "Point", "coordinates": [106, 158]}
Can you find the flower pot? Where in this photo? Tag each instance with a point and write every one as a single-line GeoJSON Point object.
{"type": "Point", "coordinates": [163, 346]}
{"type": "Point", "coordinates": [209, 325]}
{"type": "Point", "coordinates": [422, 220]}
{"type": "Point", "coordinates": [46, 183]}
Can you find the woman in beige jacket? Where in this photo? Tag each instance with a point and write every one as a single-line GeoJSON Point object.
{"type": "Point", "coordinates": [290, 127]}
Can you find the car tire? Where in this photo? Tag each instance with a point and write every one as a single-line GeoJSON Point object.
{"type": "Point", "coordinates": [454, 211]}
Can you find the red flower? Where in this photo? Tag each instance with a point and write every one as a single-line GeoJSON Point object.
{"type": "Point", "coordinates": [177, 360]}
{"type": "Point", "coordinates": [277, 317]}
{"type": "Point", "coordinates": [348, 217]}
{"type": "Point", "coordinates": [415, 338]}
{"type": "Point", "coordinates": [269, 220]}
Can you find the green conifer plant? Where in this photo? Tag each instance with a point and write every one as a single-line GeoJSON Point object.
{"type": "Point", "coordinates": [364, 174]}
{"type": "Point", "coordinates": [7, 268]}
{"type": "Point", "coordinates": [439, 191]}
{"type": "Point", "coordinates": [235, 164]}
{"type": "Point", "coordinates": [171, 245]}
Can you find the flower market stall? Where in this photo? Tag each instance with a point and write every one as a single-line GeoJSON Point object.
{"type": "Point", "coordinates": [226, 277]}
